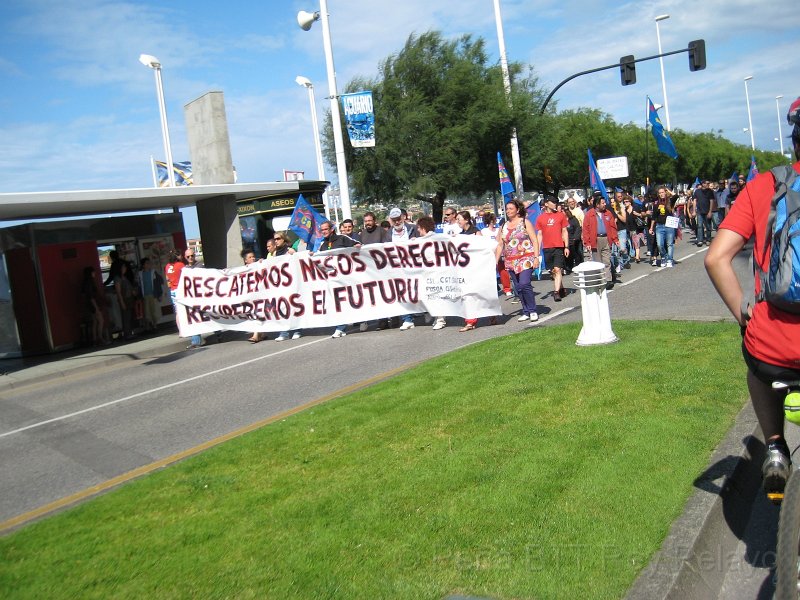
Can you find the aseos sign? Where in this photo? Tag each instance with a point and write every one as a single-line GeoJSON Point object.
{"type": "Point", "coordinates": [615, 167]}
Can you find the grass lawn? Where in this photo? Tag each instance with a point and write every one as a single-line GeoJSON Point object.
{"type": "Point", "coordinates": [521, 467]}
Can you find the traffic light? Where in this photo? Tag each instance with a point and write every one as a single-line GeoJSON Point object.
{"type": "Point", "coordinates": [627, 69]}
{"type": "Point", "coordinates": [697, 55]}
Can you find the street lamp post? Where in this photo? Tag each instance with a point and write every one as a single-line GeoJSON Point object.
{"type": "Point", "coordinates": [749, 117]}
{"type": "Point", "coordinates": [663, 79]}
{"type": "Point", "coordinates": [778, 110]}
{"type": "Point", "coordinates": [507, 85]}
{"type": "Point", "coordinates": [305, 20]}
{"type": "Point", "coordinates": [306, 83]}
{"type": "Point", "coordinates": [151, 61]}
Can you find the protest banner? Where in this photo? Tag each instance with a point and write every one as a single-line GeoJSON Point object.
{"type": "Point", "coordinates": [445, 276]}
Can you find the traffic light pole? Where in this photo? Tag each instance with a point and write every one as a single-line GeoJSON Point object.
{"type": "Point", "coordinates": [614, 66]}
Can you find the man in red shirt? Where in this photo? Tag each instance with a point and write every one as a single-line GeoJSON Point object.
{"type": "Point", "coordinates": [771, 345]}
{"type": "Point", "coordinates": [551, 229]}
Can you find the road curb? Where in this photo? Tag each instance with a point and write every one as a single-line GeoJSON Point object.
{"type": "Point", "coordinates": [693, 559]}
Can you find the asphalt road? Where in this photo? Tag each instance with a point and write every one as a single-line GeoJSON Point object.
{"type": "Point", "coordinates": [110, 421]}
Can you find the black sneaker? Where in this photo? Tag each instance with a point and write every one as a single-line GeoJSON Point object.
{"type": "Point", "coordinates": [776, 469]}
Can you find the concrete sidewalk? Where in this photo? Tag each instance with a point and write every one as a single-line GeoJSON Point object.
{"type": "Point", "coordinates": [17, 372]}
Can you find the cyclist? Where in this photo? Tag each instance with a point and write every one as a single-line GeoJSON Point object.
{"type": "Point", "coordinates": [771, 344]}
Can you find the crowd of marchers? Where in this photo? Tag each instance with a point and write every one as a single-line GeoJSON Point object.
{"type": "Point", "coordinates": [538, 239]}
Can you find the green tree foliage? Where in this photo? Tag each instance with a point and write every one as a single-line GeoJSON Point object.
{"type": "Point", "coordinates": [442, 116]}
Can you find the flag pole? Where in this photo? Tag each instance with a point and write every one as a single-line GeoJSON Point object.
{"type": "Point", "coordinates": [646, 145]}
{"type": "Point", "coordinates": [153, 169]}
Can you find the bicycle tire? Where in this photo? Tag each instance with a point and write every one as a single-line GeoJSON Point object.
{"type": "Point", "coordinates": [787, 560]}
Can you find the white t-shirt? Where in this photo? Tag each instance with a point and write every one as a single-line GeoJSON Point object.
{"type": "Point", "coordinates": [451, 229]}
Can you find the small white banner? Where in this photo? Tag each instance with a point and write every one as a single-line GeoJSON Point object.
{"type": "Point", "coordinates": [441, 275]}
{"type": "Point", "coordinates": [672, 222]}
{"type": "Point", "coordinates": [615, 167]}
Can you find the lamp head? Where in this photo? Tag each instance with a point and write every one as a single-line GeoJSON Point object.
{"type": "Point", "coordinates": [149, 60]}
{"type": "Point", "coordinates": [306, 19]}
{"type": "Point", "coordinates": [304, 81]}
{"type": "Point", "coordinates": [662, 17]}
{"type": "Point", "coordinates": [748, 78]}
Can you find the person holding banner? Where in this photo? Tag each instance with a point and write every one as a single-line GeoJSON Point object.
{"type": "Point", "coordinates": [332, 241]}
{"type": "Point", "coordinates": [518, 245]}
{"type": "Point", "coordinates": [665, 224]}
{"type": "Point", "coordinates": [467, 225]}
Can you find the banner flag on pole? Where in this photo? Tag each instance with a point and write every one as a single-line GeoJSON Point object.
{"type": "Point", "coordinates": [595, 181]}
{"type": "Point", "coordinates": [753, 169]}
{"type": "Point", "coordinates": [182, 171]}
{"type": "Point", "coordinates": [506, 187]}
{"type": "Point", "coordinates": [305, 222]}
{"type": "Point", "coordinates": [359, 118]}
{"type": "Point", "coordinates": [734, 176]}
{"type": "Point", "coordinates": [663, 141]}
{"type": "Point", "coordinates": [697, 182]}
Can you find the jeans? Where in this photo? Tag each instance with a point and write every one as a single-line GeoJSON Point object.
{"type": "Point", "coordinates": [665, 237]}
{"type": "Point", "coordinates": [703, 228]}
{"type": "Point", "coordinates": [522, 283]}
{"type": "Point", "coordinates": [624, 252]}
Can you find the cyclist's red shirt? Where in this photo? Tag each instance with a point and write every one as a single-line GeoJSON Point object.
{"type": "Point", "coordinates": [772, 335]}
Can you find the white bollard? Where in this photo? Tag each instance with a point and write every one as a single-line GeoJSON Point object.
{"type": "Point", "coordinates": [590, 279]}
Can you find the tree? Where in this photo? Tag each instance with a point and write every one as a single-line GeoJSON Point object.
{"type": "Point", "coordinates": [441, 116]}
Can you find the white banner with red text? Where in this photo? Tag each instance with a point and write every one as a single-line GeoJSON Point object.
{"type": "Point", "coordinates": [441, 275]}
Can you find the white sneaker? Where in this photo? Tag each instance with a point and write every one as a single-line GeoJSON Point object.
{"type": "Point", "coordinates": [439, 324]}
{"type": "Point", "coordinates": [523, 318]}
{"type": "Point", "coordinates": [297, 335]}
{"type": "Point", "coordinates": [406, 326]}
{"type": "Point", "coordinates": [282, 337]}
{"type": "Point", "coordinates": [534, 316]}
{"type": "Point", "coordinates": [363, 327]}
{"type": "Point", "coordinates": [669, 264]}
{"type": "Point", "coordinates": [338, 334]}
{"type": "Point", "coordinates": [509, 294]}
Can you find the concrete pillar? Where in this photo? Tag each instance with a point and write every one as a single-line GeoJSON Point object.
{"type": "Point", "coordinates": [210, 149]}
{"type": "Point", "coordinates": [219, 230]}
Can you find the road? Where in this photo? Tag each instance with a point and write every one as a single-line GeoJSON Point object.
{"type": "Point", "coordinates": [60, 438]}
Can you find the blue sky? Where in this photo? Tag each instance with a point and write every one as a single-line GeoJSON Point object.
{"type": "Point", "coordinates": [78, 111]}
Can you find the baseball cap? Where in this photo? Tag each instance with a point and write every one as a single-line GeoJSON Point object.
{"type": "Point", "coordinates": [395, 213]}
{"type": "Point", "coordinates": [552, 199]}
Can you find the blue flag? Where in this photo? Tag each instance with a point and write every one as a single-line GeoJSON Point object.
{"type": "Point", "coordinates": [506, 187]}
{"type": "Point", "coordinates": [753, 169]}
{"type": "Point", "coordinates": [594, 178]}
{"type": "Point", "coordinates": [734, 177]}
{"type": "Point", "coordinates": [663, 141]}
{"type": "Point", "coordinates": [697, 182]}
{"type": "Point", "coordinates": [182, 172]}
{"type": "Point", "coordinates": [305, 223]}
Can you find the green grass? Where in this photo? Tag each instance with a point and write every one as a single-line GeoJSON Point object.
{"type": "Point", "coordinates": [521, 467]}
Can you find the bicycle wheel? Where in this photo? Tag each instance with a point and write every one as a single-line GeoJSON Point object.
{"type": "Point", "coordinates": [787, 561]}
